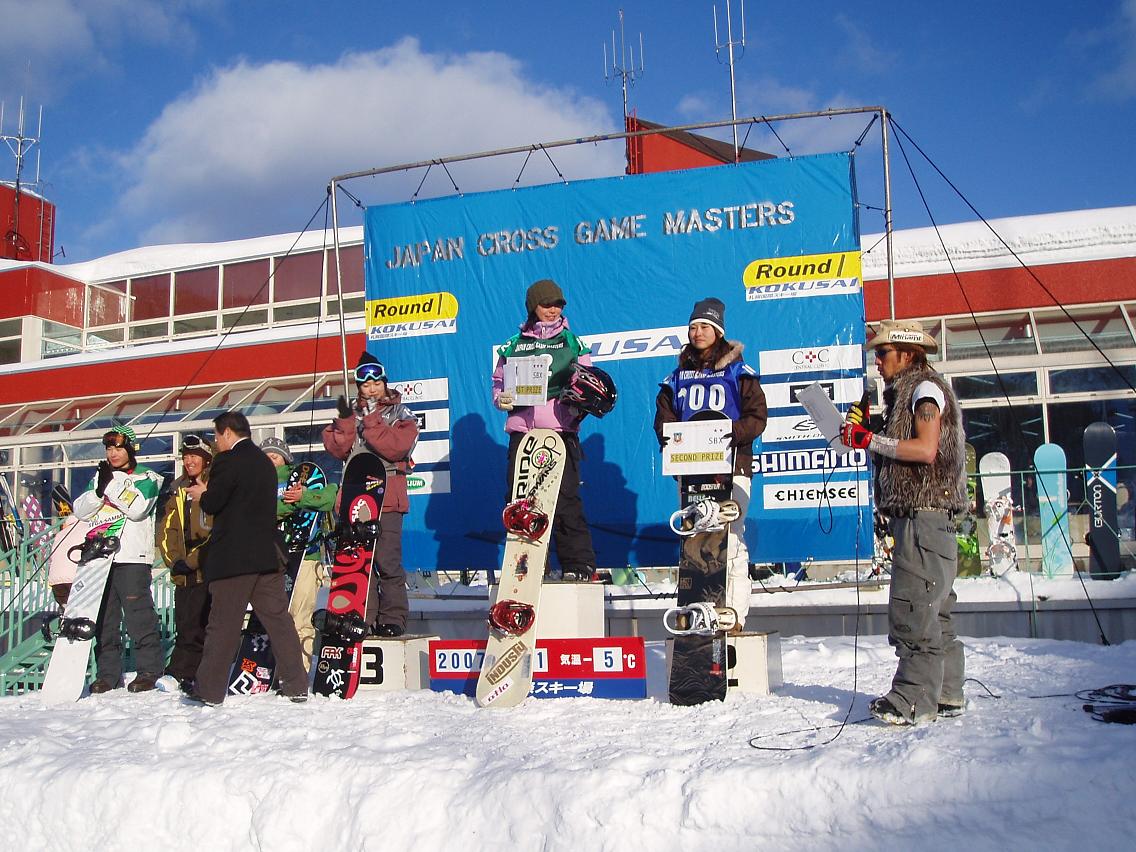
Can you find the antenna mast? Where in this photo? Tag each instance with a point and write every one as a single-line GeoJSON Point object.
{"type": "Point", "coordinates": [20, 146]}
{"type": "Point", "coordinates": [623, 65]}
{"type": "Point", "coordinates": [729, 46]}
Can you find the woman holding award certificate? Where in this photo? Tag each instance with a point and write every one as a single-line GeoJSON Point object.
{"type": "Point", "coordinates": [711, 376]}
{"type": "Point", "coordinates": [539, 382]}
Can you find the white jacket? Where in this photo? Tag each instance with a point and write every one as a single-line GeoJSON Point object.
{"type": "Point", "coordinates": [126, 510]}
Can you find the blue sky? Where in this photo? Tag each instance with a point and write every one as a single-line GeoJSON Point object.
{"type": "Point", "coordinates": [200, 120]}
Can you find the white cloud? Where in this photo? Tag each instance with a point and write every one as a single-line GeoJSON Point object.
{"type": "Point", "coordinates": [1119, 82]}
{"type": "Point", "coordinates": [60, 39]}
{"type": "Point", "coordinates": [859, 50]}
{"type": "Point", "coordinates": [251, 148]}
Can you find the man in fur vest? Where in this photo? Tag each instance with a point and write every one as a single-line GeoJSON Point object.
{"type": "Point", "coordinates": [919, 457]}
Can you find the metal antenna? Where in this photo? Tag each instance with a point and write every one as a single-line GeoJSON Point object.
{"type": "Point", "coordinates": [623, 65]}
{"type": "Point", "coordinates": [20, 146]}
{"type": "Point", "coordinates": [729, 46]}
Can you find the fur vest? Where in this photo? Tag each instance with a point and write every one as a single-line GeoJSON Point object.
{"type": "Point", "coordinates": [903, 486]}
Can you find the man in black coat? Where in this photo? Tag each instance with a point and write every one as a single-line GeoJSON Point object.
{"type": "Point", "coordinates": [244, 564]}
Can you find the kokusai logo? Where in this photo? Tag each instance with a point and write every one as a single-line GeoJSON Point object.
{"type": "Point", "coordinates": [508, 661]}
{"type": "Point", "coordinates": [805, 275]}
{"type": "Point", "coordinates": [412, 316]}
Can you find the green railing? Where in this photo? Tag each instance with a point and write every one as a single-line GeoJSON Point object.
{"type": "Point", "coordinates": [26, 603]}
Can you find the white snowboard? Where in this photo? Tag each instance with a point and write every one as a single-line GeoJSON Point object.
{"type": "Point", "coordinates": [507, 671]}
{"type": "Point", "coordinates": [66, 673]}
{"type": "Point", "coordinates": [1002, 552]}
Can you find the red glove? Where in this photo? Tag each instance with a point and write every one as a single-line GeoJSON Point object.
{"type": "Point", "coordinates": [855, 436]}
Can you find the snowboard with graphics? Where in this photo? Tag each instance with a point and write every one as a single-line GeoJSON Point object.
{"type": "Point", "coordinates": [67, 669]}
{"type": "Point", "coordinates": [698, 660]}
{"type": "Point", "coordinates": [254, 667]}
{"type": "Point", "coordinates": [1100, 493]}
{"type": "Point", "coordinates": [342, 625]}
{"type": "Point", "coordinates": [507, 670]}
{"type": "Point", "coordinates": [969, 559]}
{"type": "Point", "coordinates": [1053, 504]}
{"type": "Point", "coordinates": [1002, 552]}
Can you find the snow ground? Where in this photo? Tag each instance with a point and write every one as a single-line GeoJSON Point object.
{"type": "Point", "coordinates": [426, 771]}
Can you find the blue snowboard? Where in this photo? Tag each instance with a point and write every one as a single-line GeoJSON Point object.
{"type": "Point", "coordinates": [1053, 502]}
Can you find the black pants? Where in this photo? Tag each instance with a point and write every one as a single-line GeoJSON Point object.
{"type": "Point", "coordinates": [230, 597]}
{"type": "Point", "coordinates": [388, 602]}
{"type": "Point", "coordinates": [128, 601]}
{"type": "Point", "coordinates": [191, 614]}
{"type": "Point", "coordinates": [571, 538]}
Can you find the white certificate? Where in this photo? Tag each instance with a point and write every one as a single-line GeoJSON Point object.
{"type": "Point", "coordinates": [698, 446]}
{"type": "Point", "coordinates": [527, 379]}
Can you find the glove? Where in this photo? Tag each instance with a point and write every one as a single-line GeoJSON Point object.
{"type": "Point", "coordinates": [106, 473]}
{"type": "Point", "coordinates": [855, 436]}
{"type": "Point", "coordinates": [504, 401]}
{"type": "Point", "coordinates": [343, 407]}
{"type": "Point", "coordinates": [663, 441]}
{"type": "Point", "coordinates": [180, 568]}
{"type": "Point", "coordinates": [860, 411]}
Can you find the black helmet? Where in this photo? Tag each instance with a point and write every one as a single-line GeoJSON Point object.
{"type": "Point", "coordinates": [590, 389]}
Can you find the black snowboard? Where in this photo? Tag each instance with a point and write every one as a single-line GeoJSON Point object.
{"type": "Point", "coordinates": [698, 663]}
{"type": "Point", "coordinates": [342, 625]}
{"type": "Point", "coordinates": [1100, 492]}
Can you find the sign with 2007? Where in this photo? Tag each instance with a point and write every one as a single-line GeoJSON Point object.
{"type": "Point", "coordinates": [604, 667]}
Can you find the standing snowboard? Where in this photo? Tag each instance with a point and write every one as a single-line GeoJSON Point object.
{"type": "Point", "coordinates": [969, 559]}
{"type": "Point", "coordinates": [1002, 551]}
{"type": "Point", "coordinates": [1053, 503]}
{"type": "Point", "coordinates": [1100, 492]}
{"type": "Point", "coordinates": [698, 655]}
{"type": "Point", "coordinates": [342, 626]}
{"type": "Point", "coordinates": [507, 670]}
{"type": "Point", "coordinates": [255, 665]}
{"type": "Point", "coordinates": [67, 669]}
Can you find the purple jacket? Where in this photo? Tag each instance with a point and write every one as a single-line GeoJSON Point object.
{"type": "Point", "coordinates": [553, 414]}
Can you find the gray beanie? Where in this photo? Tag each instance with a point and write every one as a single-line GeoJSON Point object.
{"type": "Point", "coordinates": [710, 311]}
{"type": "Point", "coordinates": [275, 445]}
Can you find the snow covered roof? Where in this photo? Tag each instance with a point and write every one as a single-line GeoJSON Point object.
{"type": "Point", "coordinates": [1071, 237]}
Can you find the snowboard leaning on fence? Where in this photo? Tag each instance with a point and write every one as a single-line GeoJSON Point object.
{"type": "Point", "coordinates": [1100, 493]}
{"type": "Point", "coordinates": [507, 670]}
{"type": "Point", "coordinates": [342, 626]}
{"type": "Point", "coordinates": [66, 673]}
{"type": "Point", "coordinates": [255, 665]}
{"type": "Point", "coordinates": [1053, 509]}
{"type": "Point", "coordinates": [1002, 552]}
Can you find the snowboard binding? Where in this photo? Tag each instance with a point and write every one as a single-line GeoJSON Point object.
{"type": "Point", "coordinates": [704, 516]}
{"type": "Point", "coordinates": [77, 629]}
{"type": "Point", "coordinates": [96, 547]}
{"type": "Point", "coordinates": [353, 535]}
{"type": "Point", "coordinates": [523, 517]}
{"type": "Point", "coordinates": [511, 617]}
{"type": "Point", "coordinates": [349, 627]}
{"type": "Point", "coordinates": [699, 619]}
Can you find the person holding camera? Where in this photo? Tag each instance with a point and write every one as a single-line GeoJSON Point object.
{"type": "Point", "coordinates": [183, 541]}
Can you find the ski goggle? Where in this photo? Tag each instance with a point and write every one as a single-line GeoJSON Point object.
{"type": "Point", "coordinates": [115, 439]}
{"type": "Point", "coordinates": [193, 442]}
{"type": "Point", "coordinates": [370, 372]}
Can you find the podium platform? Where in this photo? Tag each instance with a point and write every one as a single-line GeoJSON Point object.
{"type": "Point", "coordinates": [395, 664]}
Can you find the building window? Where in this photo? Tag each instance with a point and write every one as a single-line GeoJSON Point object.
{"type": "Point", "coordinates": [151, 297]}
{"type": "Point", "coordinates": [991, 336]}
{"type": "Point", "coordinates": [195, 291]}
{"type": "Point", "coordinates": [297, 276]}
{"type": "Point", "coordinates": [1016, 430]}
{"type": "Point", "coordinates": [993, 386]}
{"type": "Point", "coordinates": [352, 270]}
{"type": "Point", "coordinates": [246, 284]}
{"type": "Point", "coordinates": [1082, 328]}
{"type": "Point", "coordinates": [1089, 379]}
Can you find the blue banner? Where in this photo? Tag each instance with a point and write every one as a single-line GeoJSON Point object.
{"type": "Point", "coordinates": [777, 241]}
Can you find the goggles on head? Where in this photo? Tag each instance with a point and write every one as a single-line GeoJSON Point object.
{"type": "Point", "coordinates": [115, 439]}
{"type": "Point", "coordinates": [193, 442]}
{"type": "Point", "coordinates": [370, 372]}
